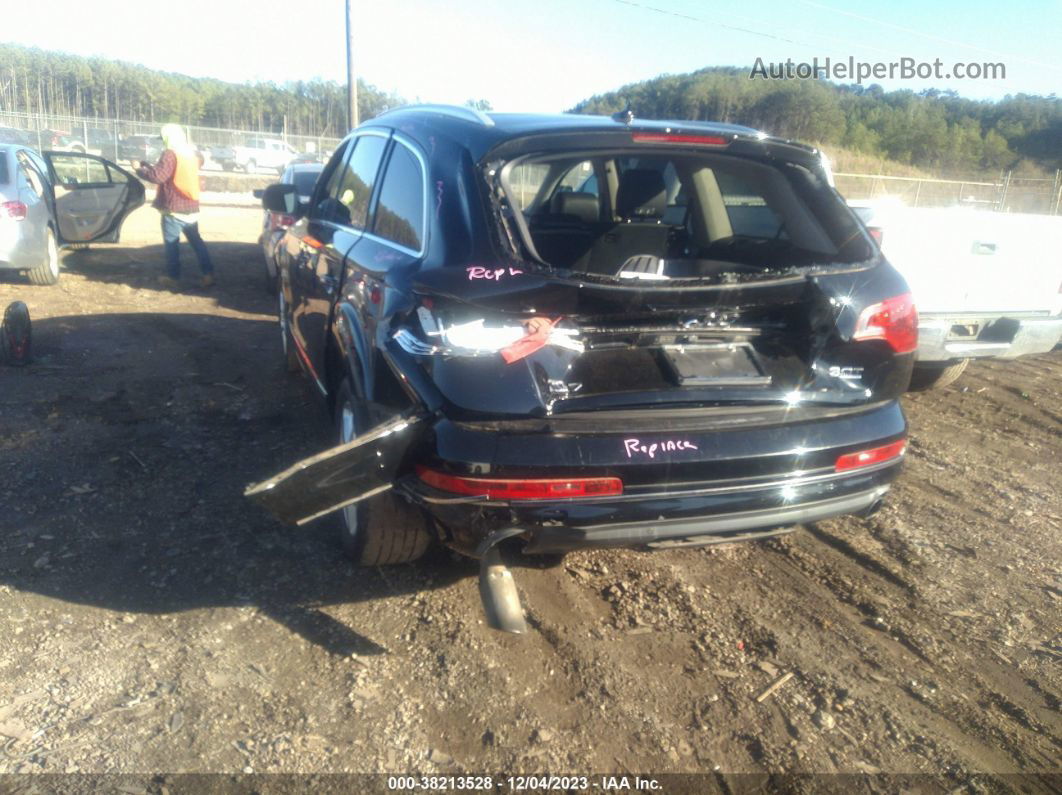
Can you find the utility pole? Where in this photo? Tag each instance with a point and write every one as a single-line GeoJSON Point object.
{"type": "Point", "coordinates": [352, 80]}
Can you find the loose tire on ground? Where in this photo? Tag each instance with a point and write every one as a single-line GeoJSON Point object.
{"type": "Point", "coordinates": [48, 271]}
{"type": "Point", "coordinates": [382, 530]}
{"type": "Point", "coordinates": [935, 376]}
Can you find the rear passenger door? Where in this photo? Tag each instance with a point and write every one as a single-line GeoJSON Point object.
{"type": "Point", "coordinates": [93, 196]}
{"type": "Point", "coordinates": [391, 248]}
{"type": "Point", "coordinates": [335, 224]}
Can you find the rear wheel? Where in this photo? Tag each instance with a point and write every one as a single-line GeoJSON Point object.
{"type": "Point", "coordinates": [381, 530]}
{"type": "Point", "coordinates": [934, 376]}
{"type": "Point", "coordinates": [48, 271]}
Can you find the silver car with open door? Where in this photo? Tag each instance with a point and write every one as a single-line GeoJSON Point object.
{"type": "Point", "coordinates": [56, 199]}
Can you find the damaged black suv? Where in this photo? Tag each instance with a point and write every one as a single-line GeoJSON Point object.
{"type": "Point", "coordinates": [585, 331]}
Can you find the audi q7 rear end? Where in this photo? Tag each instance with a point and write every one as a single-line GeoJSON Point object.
{"type": "Point", "coordinates": [619, 333]}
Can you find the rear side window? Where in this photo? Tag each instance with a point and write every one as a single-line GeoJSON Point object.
{"type": "Point", "coordinates": [359, 176]}
{"type": "Point", "coordinates": [747, 209]}
{"type": "Point", "coordinates": [5, 177]}
{"type": "Point", "coordinates": [78, 170]}
{"type": "Point", "coordinates": [400, 211]}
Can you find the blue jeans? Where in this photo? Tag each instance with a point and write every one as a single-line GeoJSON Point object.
{"type": "Point", "coordinates": [171, 235]}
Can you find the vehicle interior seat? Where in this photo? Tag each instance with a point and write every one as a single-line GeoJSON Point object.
{"type": "Point", "coordinates": [641, 201]}
{"type": "Point", "coordinates": [564, 235]}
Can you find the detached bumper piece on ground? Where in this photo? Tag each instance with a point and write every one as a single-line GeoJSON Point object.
{"type": "Point", "coordinates": [572, 332]}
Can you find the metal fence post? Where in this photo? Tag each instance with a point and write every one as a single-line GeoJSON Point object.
{"type": "Point", "coordinates": [1003, 194]}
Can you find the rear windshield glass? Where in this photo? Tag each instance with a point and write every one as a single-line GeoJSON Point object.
{"type": "Point", "coordinates": [3, 168]}
{"type": "Point", "coordinates": [304, 182]}
{"type": "Point", "coordinates": [675, 215]}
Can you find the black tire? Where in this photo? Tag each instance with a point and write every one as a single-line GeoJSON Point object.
{"type": "Point", "coordinates": [48, 271]}
{"type": "Point", "coordinates": [935, 376]}
{"type": "Point", "coordinates": [287, 346]}
{"type": "Point", "coordinates": [16, 335]}
{"type": "Point", "coordinates": [382, 530]}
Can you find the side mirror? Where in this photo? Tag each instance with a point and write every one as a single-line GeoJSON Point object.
{"type": "Point", "coordinates": [280, 198]}
{"type": "Point", "coordinates": [258, 193]}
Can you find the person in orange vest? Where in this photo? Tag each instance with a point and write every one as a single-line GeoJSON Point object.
{"type": "Point", "coordinates": [177, 198]}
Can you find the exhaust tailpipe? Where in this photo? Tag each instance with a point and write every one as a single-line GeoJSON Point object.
{"type": "Point", "coordinates": [497, 588]}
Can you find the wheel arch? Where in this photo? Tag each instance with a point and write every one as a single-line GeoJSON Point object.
{"type": "Point", "coordinates": [347, 355]}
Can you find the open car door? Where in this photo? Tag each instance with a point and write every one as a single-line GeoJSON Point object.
{"type": "Point", "coordinates": [93, 196]}
{"type": "Point", "coordinates": [339, 476]}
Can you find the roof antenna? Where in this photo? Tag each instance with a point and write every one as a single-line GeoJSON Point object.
{"type": "Point", "coordinates": [625, 116]}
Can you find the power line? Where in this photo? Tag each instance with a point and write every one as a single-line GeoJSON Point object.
{"type": "Point", "coordinates": [929, 36]}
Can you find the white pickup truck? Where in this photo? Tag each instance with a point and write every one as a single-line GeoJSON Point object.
{"type": "Point", "coordinates": [271, 153]}
{"type": "Point", "coordinates": [985, 283]}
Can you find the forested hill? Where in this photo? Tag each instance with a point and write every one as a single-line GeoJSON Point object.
{"type": "Point", "coordinates": [938, 131]}
{"type": "Point", "coordinates": [33, 80]}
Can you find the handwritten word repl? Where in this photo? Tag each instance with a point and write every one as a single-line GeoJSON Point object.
{"type": "Point", "coordinates": [637, 447]}
{"type": "Point", "coordinates": [491, 274]}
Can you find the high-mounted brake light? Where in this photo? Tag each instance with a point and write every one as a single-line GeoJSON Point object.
{"type": "Point", "coordinates": [532, 489]}
{"type": "Point", "coordinates": [894, 320]}
{"type": "Point", "coordinates": [875, 455]}
{"type": "Point", "coordinates": [13, 210]}
{"type": "Point", "coordinates": [678, 138]}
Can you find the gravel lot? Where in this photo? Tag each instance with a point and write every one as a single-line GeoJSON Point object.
{"type": "Point", "coordinates": [153, 620]}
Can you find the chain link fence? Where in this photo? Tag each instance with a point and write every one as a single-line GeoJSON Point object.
{"type": "Point", "coordinates": [1007, 194]}
{"type": "Point", "coordinates": [113, 138]}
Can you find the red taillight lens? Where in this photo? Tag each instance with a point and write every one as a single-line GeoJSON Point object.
{"type": "Point", "coordinates": [281, 221]}
{"type": "Point", "coordinates": [535, 489]}
{"type": "Point", "coordinates": [865, 458]}
{"type": "Point", "coordinates": [13, 210]}
{"type": "Point", "coordinates": [678, 138]}
{"type": "Point", "coordinates": [876, 233]}
{"type": "Point", "coordinates": [894, 320]}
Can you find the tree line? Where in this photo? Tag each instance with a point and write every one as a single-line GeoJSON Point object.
{"type": "Point", "coordinates": [936, 130]}
{"type": "Point", "coordinates": [39, 81]}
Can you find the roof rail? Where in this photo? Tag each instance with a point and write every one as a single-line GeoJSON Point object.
{"type": "Point", "coordinates": [458, 112]}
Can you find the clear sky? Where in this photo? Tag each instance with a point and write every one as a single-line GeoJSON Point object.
{"type": "Point", "coordinates": [546, 55]}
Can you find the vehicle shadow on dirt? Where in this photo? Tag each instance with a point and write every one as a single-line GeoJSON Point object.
{"type": "Point", "coordinates": [125, 448]}
{"type": "Point", "coordinates": [238, 268]}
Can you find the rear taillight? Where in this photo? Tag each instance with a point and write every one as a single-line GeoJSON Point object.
{"type": "Point", "coordinates": [281, 220]}
{"type": "Point", "coordinates": [894, 320]}
{"type": "Point", "coordinates": [16, 211]}
{"type": "Point", "coordinates": [866, 458]}
{"type": "Point", "coordinates": [678, 138]}
{"type": "Point", "coordinates": [529, 489]}
{"type": "Point", "coordinates": [876, 233]}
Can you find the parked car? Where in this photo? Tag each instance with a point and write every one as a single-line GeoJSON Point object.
{"type": "Point", "coordinates": [11, 135]}
{"type": "Point", "coordinates": [62, 141]}
{"type": "Point", "coordinates": [52, 199]}
{"type": "Point", "coordinates": [506, 358]}
{"type": "Point", "coordinates": [224, 156]}
{"type": "Point", "coordinates": [987, 284]}
{"type": "Point", "coordinates": [104, 142]}
{"type": "Point", "coordinates": [303, 176]}
{"type": "Point", "coordinates": [271, 153]}
{"type": "Point", "coordinates": [145, 148]}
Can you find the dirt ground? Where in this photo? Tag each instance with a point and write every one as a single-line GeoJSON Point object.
{"type": "Point", "coordinates": [153, 620]}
